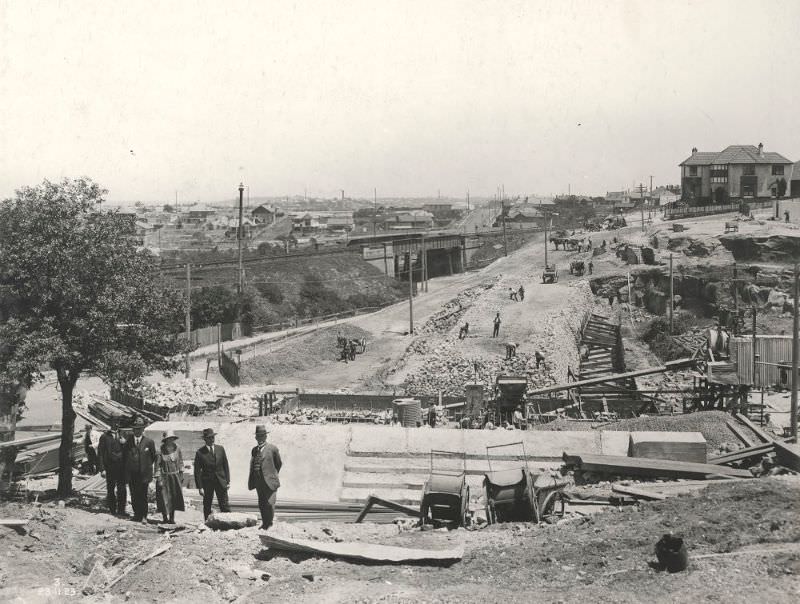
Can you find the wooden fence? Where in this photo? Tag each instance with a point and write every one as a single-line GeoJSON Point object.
{"type": "Point", "coordinates": [229, 369]}
{"type": "Point", "coordinates": [206, 336]}
{"type": "Point", "coordinates": [690, 211]}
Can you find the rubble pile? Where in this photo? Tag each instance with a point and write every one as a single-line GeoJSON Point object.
{"type": "Point", "coordinates": [174, 395]}
{"type": "Point", "coordinates": [316, 415]}
{"type": "Point", "coordinates": [451, 313]}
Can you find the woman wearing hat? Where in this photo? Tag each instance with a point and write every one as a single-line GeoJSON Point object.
{"type": "Point", "coordinates": [169, 475]}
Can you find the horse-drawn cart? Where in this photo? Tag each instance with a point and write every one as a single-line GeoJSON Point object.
{"type": "Point", "coordinates": [550, 274]}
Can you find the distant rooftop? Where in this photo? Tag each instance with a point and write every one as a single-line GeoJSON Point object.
{"type": "Point", "coordinates": [735, 154]}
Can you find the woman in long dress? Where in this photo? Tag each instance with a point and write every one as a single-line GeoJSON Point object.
{"type": "Point", "coordinates": [169, 476]}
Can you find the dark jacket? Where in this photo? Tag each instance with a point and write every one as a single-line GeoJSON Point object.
{"type": "Point", "coordinates": [110, 454]}
{"type": "Point", "coordinates": [266, 468]}
{"type": "Point", "coordinates": [207, 468]}
{"type": "Point", "coordinates": [139, 460]}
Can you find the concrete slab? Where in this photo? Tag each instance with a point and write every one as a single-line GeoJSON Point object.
{"type": "Point", "coordinates": [538, 444]}
{"type": "Point", "coordinates": [313, 456]}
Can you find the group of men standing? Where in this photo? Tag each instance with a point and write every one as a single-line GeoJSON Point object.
{"type": "Point", "coordinates": [130, 463]}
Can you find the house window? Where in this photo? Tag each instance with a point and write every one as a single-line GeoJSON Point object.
{"type": "Point", "coordinates": [777, 170]}
{"type": "Point", "coordinates": [749, 170]}
{"type": "Point", "coordinates": [692, 170]}
{"type": "Point", "coordinates": [719, 174]}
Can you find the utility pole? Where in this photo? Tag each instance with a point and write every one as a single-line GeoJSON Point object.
{"type": "Point", "coordinates": [424, 266]}
{"type": "Point", "coordinates": [755, 356]}
{"type": "Point", "coordinates": [671, 295]}
{"type": "Point", "coordinates": [545, 240]}
{"type": "Point", "coordinates": [239, 236]}
{"type": "Point", "coordinates": [736, 297]}
{"type": "Point", "coordinates": [641, 198]}
{"type": "Point", "coordinates": [503, 216]}
{"type": "Point", "coordinates": [188, 315]}
{"type": "Point", "coordinates": [410, 296]}
{"type": "Point", "coordinates": [795, 354]}
{"type": "Point", "coordinates": [375, 211]}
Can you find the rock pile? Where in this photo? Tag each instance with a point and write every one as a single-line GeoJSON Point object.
{"type": "Point", "coordinates": [173, 395]}
{"type": "Point", "coordinates": [450, 315]}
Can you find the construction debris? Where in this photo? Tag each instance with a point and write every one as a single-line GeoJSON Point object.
{"type": "Point", "coordinates": [365, 552]}
{"type": "Point", "coordinates": [228, 521]}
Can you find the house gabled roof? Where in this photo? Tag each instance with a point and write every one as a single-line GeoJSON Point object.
{"type": "Point", "coordinates": [735, 154]}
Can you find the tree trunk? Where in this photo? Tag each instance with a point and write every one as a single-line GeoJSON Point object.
{"type": "Point", "coordinates": [11, 396]}
{"type": "Point", "coordinates": [67, 430]}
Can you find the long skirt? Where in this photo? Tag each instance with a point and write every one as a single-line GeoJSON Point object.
{"type": "Point", "coordinates": [169, 496]}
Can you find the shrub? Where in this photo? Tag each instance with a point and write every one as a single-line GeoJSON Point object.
{"type": "Point", "coordinates": [212, 305]}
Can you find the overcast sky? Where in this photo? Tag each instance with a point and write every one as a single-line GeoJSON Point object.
{"type": "Point", "coordinates": [409, 97]}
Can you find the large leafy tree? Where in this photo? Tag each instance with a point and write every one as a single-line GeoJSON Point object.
{"type": "Point", "coordinates": [85, 299]}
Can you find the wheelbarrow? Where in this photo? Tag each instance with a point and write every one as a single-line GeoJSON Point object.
{"type": "Point", "coordinates": [519, 495]}
{"type": "Point", "coordinates": [445, 495]}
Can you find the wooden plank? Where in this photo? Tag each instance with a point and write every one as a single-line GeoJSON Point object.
{"type": "Point", "coordinates": [741, 454]}
{"type": "Point", "coordinates": [611, 378]}
{"type": "Point", "coordinates": [12, 522]}
{"type": "Point", "coordinates": [739, 433]}
{"type": "Point", "coordinates": [364, 552]}
{"type": "Point", "coordinates": [27, 442]}
{"type": "Point", "coordinates": [373, 500]}
{"type": "Point", "coordinates": [756, 429]}
{"type": "Point", "coordinates": [653, 468]}
{"type": "Point", "coordinates": [636, 492]}
{"type": "Point", "coordinates": [788, 455]}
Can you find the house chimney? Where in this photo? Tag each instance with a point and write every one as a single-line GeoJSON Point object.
{"type": "Point", "coordinates": [760, 149]}
{"type": "Point", "coordinates": [694, 150]}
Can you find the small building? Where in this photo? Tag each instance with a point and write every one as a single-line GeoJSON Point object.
{"type": "Point", "coordinates": [414, 219]}
{"type": "Point", "coordinates": [264, 214]}
{"type": "Point", "coordinates": [737, 172]}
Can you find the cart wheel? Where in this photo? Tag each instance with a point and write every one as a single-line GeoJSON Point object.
{"type": "Point", "coordinates": [554, 504]}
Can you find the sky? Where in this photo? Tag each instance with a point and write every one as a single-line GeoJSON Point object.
{"type": "Point", "coordinates": [413, 99]}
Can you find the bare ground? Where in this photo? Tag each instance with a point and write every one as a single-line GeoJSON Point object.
{"type": "Point", "coordinates": [606, 557]}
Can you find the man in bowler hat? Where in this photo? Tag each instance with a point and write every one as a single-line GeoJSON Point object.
{"type": "Point", "coordinates": [212, 474]}
{"type": "Point", "coordinates": [265, 464]}
{"type": "Point", "coordinates": [140, 455]}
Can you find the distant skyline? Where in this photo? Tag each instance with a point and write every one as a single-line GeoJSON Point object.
{"type": "Point", "coordinates": [410, 97]}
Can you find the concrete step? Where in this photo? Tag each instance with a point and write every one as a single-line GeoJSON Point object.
{"type": "Point", "coordinates": [401, 496]}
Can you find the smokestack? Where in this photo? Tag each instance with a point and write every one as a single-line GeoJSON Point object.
{"type": "Point", "coordinates": [760, 149]}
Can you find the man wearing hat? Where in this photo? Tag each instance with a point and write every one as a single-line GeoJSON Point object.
{"type": "Point", "coordinates": [265, 464]}
{"type": "Point", "coordinates": [140, 455]}
{"type": "Point", "coordinates": [212, 474]}
{"type": "Point", "coordinates": [111, 463]}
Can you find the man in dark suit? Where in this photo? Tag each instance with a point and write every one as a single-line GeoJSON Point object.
{"type": "Point", "coordinates": [140, 455]}
{"type": "Point", "coordinates": [212, 474]}
{"type": "Point", "coordinates": [111, 463]}
{"type": "Point", "coordinates": [265, 463]}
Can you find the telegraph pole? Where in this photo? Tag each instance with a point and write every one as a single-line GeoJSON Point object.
{"type": "Point", "coordinates": [545, 240]}
{"type": "Point", "coordinates": [736, 295]}
{"type": "Point", "coordinates": [424, 265]}
{"type": "Point", "coordinates": [503, 216]}
{"type": "Point", "coordinates": [239, 235]}
{"type": "Point", "coordinates": [375, 211]}
{"type": "Point", "coordinates": [671, 295]}
{"type": "Point", "coordinates": [188, 315]}
{"type": "Point", "coordinates": [795, 354]}
{"type": "Point", "coordinates": [641, 198]}
{"type": "Point", "coordinates": [410, 296]}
